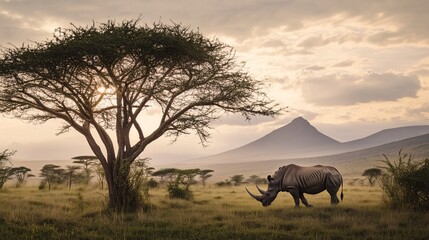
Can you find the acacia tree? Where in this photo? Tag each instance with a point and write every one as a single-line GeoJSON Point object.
{"type": "Point", "coordinates": [167, 173]}
{"type": "Point", "coordinates": [204, 175]}
{"type": "Point", "coordinates": [237, 179]}
{"type": "Point", "coordinates": [102, 79]}
{"type": "Point", "coordinates": [52, 174]}
{"type": "Point", "coordinates": [88, 162]}
{"type": "Point", "coordinates": [372, 174]}
{"type": "Point", "coordinates": [5, 169]}
{"type": "Point", "coordinates": [21, 174]}
{"type": "Point", "coordinates": [71, 173]}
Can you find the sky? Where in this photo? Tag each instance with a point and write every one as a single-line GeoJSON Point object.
{"type": "Point", "coordinates": [349, 67]}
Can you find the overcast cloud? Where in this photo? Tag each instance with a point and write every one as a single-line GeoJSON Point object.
{"type": "Point", "coordinates": [349, 89]}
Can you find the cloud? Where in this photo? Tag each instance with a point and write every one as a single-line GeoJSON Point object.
{"type": "Point", "coordinates": [345, 63]}
{"type": "Point", "coordinates": [315, 68]}
{"type": "Point", "coordinates": [239, 19]}
{"type": "Point", "coordinates": [315, 41]}
{"type": "Point", "coordinates": [335, 89]}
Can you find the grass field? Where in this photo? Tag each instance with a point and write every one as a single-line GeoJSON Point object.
{"type": "Point", "coordinates": [215, 213]}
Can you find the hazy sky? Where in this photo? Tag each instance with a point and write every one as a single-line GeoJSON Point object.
{"type": "Point", "coordinates": [349, 67]}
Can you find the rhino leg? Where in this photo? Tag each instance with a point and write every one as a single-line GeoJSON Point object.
{"type": "Point", "coordinates": [334, 199]}
{"type": "Point", "coordinates": [333, 184]}
{"type": "Point", "coordinates": [295, 194]}
{"type": "Point", "coordinates": [304, 200]}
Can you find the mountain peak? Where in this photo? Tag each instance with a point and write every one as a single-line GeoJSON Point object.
{"type": "Point", "coordinates": [299, 121]}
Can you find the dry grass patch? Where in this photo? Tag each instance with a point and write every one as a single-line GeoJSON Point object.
{"type": "Point", "coordinates": [215, 213]}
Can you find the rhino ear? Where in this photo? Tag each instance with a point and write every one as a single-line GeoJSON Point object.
{"type": "Point", "coordinates": [269, 178]}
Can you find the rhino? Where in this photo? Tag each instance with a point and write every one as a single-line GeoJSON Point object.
{"type": "Point", "coordinates": [298, 180]}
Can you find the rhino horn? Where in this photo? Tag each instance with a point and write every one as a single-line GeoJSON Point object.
{"type": "Point", "coordinates": [259, 198]}
{"type": "Point", "coordinates": [260, 190]}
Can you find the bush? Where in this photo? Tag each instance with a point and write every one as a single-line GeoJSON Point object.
{"type": "Point", "coordinates": [179, 188]}
{"type": "Point", "coordinates": [152, 183]}
{"type": "Point", "coordinates": [179, 182]}
{"type": "Point", "coordinates": [42, 185]}
{"type": "Point", "coordinates": [225, 183]}
{"type": "Point", "coordinates": [406, 182]}
{"type": "Point", "coordinates": [178, 191]}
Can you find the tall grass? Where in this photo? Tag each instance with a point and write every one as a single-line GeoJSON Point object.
{"type": "Point", "coordinates": [215, 213]}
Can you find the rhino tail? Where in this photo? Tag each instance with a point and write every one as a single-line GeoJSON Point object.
{"type": "Point", "coordinates": [342, 188]}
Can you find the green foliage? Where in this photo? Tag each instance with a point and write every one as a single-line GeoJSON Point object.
{"type": "Point", "coordinates": [139, 180]}
{"type": "Point", "coordinates": [152, 183]}
{"type": "Point", "coordinates": [177, 190]}
{"type": "Point", "coordinates": [180, 186]}
{"type": "Point", "coordinates": [406, 182]}
{"type": "Point", "coordinates": [178, 181]}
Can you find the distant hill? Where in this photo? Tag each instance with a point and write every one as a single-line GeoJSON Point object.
{"type": "Point", "coordinates": [350, 164]}
{"type": "Point", "coordinates": [387, 136]}
{"type": "Point", "coordinates": [299, 139]}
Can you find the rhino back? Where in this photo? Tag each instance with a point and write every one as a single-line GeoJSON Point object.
{"type": "Point", "coordinates": [308, 179]}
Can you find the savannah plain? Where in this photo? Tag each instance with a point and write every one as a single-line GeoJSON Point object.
{"type": "Point", "coordinates": [142, 81]}
{"type": "Point", "coordinates": [214, 213]}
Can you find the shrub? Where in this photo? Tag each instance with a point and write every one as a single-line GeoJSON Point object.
{"type": "Point", "coordinates": [179, 188]}
{"type": "Point", "coordinates": [152, 183]}
{"type": "Point", "coordinates": [42, 185]}
{"type": "Point", "coordinates": [406, 182]}
{"type": "Point", "coordinates": [177, 191]}
{"type": "Point", "coordinates": [179, 181]}
{"type": "Point", "coordinates": [225, 183]}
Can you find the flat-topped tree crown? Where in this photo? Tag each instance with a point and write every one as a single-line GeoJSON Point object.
{"type": "Point", "coordinates": [104, 76]}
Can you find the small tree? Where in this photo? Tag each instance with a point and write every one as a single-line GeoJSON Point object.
{"type": "Point", "coordinates": [72, 174]}
{"type": "Point", "coordinates": [372, 175]}
{"type": "Point", "coordinates": [5, 166]}
{"type": "Point", "coordinates": [237, 179]}
{"type": "Point", "coordinates": [88, 163]}
{"type": "Point", "coordinates": [204, 175]}
{"type": "Point", "coordinates": [166, 174]}
{"type": "Point", "coordinates": [21, 174]}
{"type": "Point", "coordinates": [178, 181]}
{"type": "Point", "coordinates": [52, 174]}
{"type": "Point", "coordinates": [180, 186]}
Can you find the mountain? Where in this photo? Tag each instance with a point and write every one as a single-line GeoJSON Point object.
{"type": "Point", "coordinates": [299, 139]}
{"type": "Point", "coordinates": [387, 136]}
{"type": "Point", "coordinates": [350, 164]}
{"type": "Point", "coordinates": [296, 139]}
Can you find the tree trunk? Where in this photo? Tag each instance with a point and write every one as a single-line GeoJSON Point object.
{"type": "Point", "coordinates": [123, 197]}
